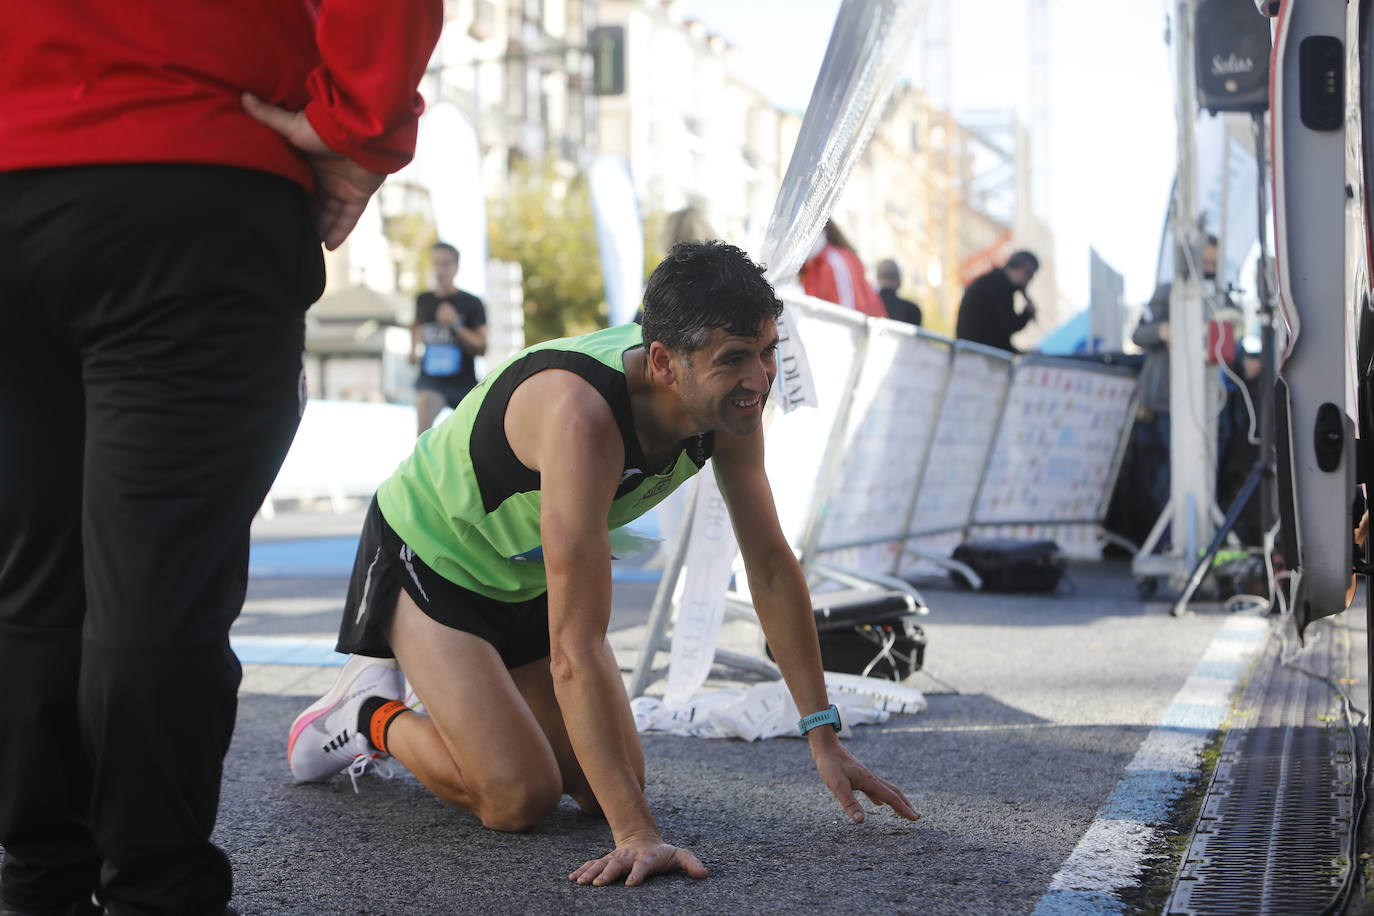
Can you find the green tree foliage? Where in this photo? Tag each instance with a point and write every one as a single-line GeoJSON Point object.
{"type": "Point", "coordinates": [655, 222]}
{"type": "Point", "coordinates": [412, 236]}
{"type": "Point", "coordinates": [545, 224]}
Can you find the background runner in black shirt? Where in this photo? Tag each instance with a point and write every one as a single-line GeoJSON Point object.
{"type": "Point", "coordinates": [450, 329]}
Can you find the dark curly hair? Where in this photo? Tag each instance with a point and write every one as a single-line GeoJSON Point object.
{"type": "Point", "coordinates": [704, 285]}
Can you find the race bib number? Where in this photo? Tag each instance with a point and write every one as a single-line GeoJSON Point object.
{"type": "Point", "coordinates": [443, 359]}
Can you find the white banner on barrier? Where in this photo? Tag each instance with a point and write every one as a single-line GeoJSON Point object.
{"type": "Point", "coordinates": [889, 428]}
{"type": "Point", "coordinates": [794, 385]}
{"type": "Point", "coordinates": [1054, 455]}
{"type": "Point", "coordinates": [710, 553]}
{"type": "Point", "coordinates": [796, 442]}
{"type": "Point", "coordinates": [964, 433]}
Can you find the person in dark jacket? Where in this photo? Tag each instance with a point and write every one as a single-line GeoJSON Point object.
{"type": "Point", "coordinates": [987, 313]}
{"type": "Point", "coordinates": [1152, 435]}
{"type": "Point", "coordinates": [186, 159]}
{"type": "Point", "coordinates": [898, 309]}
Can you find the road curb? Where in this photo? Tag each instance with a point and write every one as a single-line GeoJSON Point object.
{"type": "Point", "coordinates": [1112, 852]}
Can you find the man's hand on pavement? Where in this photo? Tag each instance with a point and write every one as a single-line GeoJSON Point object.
{"type": "Point", "coordinates": [637, 860]}
{"type": "Point", "coordinates": [844, 775]}
{"type": "Point", "coordinates": [343, 186]}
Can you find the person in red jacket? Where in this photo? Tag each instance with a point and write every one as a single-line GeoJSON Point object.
{"type": "Point", "coordinates": [835, 273]}
{"type": "Point", "coordinates": [167, 173]}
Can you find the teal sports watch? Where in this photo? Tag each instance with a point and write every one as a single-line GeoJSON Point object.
{"type": "Point", "coordinates": [828, 716]}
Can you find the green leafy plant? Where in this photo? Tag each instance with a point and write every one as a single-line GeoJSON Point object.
{"type": "Point", "coordinates": [545, 224]}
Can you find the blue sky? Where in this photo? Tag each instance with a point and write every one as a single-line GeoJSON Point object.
{"type": "Point", "coordinates": [1110, 105]}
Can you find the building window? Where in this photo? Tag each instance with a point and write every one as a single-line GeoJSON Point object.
{"type": "Point", "coordinates": [483, 20]}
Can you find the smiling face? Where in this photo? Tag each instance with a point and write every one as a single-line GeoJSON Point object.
{"type": "Point", "coordinates": [725, 383]}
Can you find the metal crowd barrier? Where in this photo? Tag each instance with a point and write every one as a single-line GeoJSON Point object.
{"type": "Point", "coordinates": [918, 444]}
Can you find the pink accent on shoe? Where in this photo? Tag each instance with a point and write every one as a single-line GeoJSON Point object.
{"type": "Point", "coordinates": [299, 726]}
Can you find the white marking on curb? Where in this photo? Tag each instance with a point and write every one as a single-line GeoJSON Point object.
{"type": "Point", "coordinates": [1112, 852]}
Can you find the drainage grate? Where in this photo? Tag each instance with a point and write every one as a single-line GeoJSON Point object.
{"type": "Point", "coordinates": [1274, 830]}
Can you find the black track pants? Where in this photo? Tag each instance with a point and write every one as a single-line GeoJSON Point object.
{"type": "Point", "coordinates": [151, 329]}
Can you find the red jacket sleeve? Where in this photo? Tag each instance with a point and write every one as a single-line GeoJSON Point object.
{"type": "Point", "coordinates": [818, 279]}
{"type": "Point", "coordinates": [373, 53]}
{"type": "Point", "coordinates": [866, 298]}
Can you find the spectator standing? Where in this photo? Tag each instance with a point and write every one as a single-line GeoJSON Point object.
{"type": "Point", "coordinates": [1151, 435]}
{"type": "Point", "coordinates": [898, 309]}
{"type": "Point", "coordinates": [148, 397]}
{"type": "Point", "coordinates": [987, 312]}
{"type": "Point", "coordinates": [450, 328]}
{"type": "Point", "coordinates": [835, 273]}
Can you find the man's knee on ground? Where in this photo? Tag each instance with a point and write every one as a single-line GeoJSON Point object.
{"type": "Point", "coordinates": [518, 802]}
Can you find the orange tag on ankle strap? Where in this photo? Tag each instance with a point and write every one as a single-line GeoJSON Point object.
{"type": "Point", "coordinates": [380, 720]}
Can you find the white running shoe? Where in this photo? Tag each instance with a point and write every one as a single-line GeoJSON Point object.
{"type": "Point", "coordinates": [325, 739]}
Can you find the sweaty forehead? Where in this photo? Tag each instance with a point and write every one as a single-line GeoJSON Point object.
{"type": "Point", "coordinates": [721, 339]}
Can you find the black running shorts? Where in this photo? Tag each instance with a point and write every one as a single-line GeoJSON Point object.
{"type": "Point", "coordinates": [519, 631]}
{"type": "Point", "coordinates": [452, 390]}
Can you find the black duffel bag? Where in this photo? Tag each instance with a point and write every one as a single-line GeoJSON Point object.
{"type": "Point", "coordinates": [869, 633]}
{"type": "Point", "coordinates": [1007, 565]}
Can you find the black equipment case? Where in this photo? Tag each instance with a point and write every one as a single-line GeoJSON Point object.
{"type": "Point", "coordinates": [867, 632]}
{"type": "Point", "coordinates": [1012, 566]}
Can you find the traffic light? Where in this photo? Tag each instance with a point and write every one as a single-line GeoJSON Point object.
{"type": "Point", "coordinates": [607, 46]}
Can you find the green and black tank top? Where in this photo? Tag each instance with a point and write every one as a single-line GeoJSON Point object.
{"type": "Point", "coordinates": [469, 508]}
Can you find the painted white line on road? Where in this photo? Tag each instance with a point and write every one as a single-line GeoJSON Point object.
{"type": "Point", "coordinates": [1020, 726]}
{"type": "Point", "coordinates": [1112, 852]}
{"type": "Point", "coordinates": [286, 680]}
{"type": "Point", "coordinates": [286, 650]}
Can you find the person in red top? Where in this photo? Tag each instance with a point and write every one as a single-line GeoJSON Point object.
{"type": "Point", "coordinates": [167, 173]}
{"type": "Point", "coordinates": [835, 273]}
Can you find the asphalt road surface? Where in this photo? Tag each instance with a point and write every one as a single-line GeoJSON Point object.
{"type": "Point", "coordinates": [1036, 706]}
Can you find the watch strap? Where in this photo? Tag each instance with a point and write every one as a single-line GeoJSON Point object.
{"type": "Point", "coordinates": [828, 716]}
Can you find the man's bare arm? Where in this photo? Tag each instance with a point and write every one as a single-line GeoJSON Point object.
{"type": "Point", "coordinates": [783, 603]}
{"type": "Point", "coordinates": [472, 340]}
{"type": "Point", "coordinates": [559, 426]}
